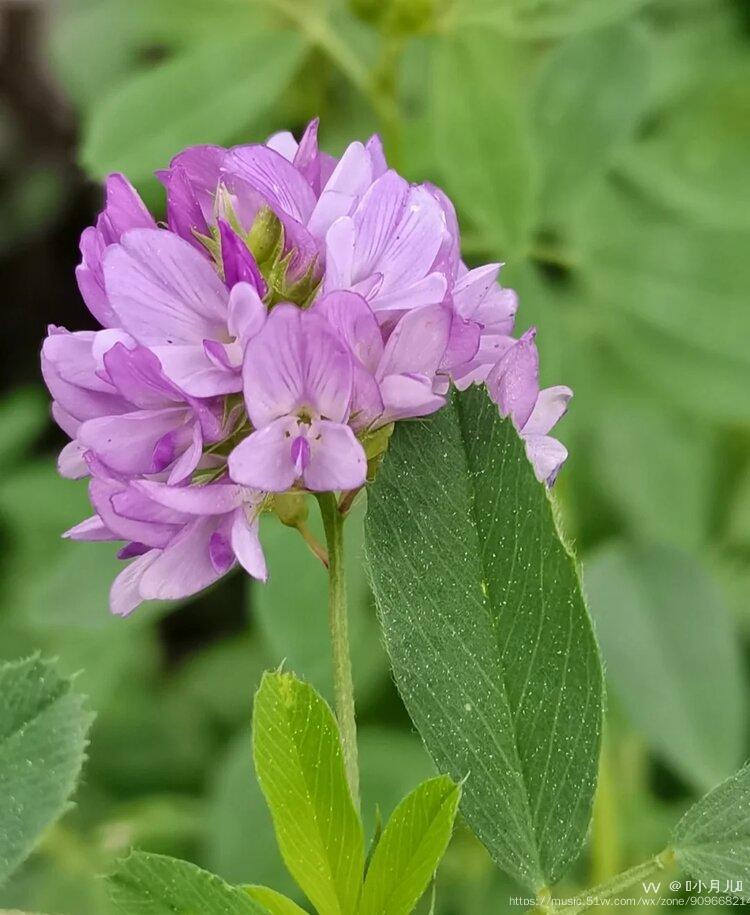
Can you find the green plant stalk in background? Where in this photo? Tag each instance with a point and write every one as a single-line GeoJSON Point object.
{"type": "Point", "coordinates": [343, 684]}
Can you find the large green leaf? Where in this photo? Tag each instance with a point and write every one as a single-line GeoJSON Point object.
{"type": "Point", "coordinates": [147, 884]}
{"type": "Point", "coordinates": [672, 656]}
{"type": "Point", "coordinates": [541, 18]}
{"type": "Point", "coordinates": [300, 768]}
{"type": "Point", "coordinates": [410, 849]}
{"type": "Point", "coordinates": [712, 840]}
{"type": "Point", "coordinates": [590, 94]}
{"type": "Point", "coordinates": [206, 95]}
{"type": "Point", "coordinates": [482, 142]}
{"type": "Point", "coordinates": [489, 638]}
{"type": "Point", "coordinates": [43, 728]}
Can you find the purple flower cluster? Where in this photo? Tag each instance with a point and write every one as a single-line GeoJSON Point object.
{"type": "Point", "coordinates": [294, 307]}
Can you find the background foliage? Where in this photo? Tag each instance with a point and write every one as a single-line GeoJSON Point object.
{"type": "Point", "coordinates": [600, 149]}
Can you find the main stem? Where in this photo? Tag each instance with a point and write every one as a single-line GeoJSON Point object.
{"type": "Point", "coordinates": [598, 895]}
{"type": "Point", "coordinates": [343, 685]}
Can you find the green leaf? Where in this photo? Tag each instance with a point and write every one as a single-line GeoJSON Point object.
{"type": "Point", "coordinates": [410, 849]}
{"type": "Point", "coordinates": [206, 95]}
{"type": "Point", "coordinates": [672, 298]}
{"type": "Point", "coordinates": [655, 468]}
{"type": "Point", "coordinates": [672, 656]}
{"type": "Point", "coordinates": [489, 638]}
{"type": "Point", "coordinates": [589, 96]}
{"type": "Point", "coordinates": [542, 18]}
{"type": "Point", "coordinates": [696, 159]}
{"type": "Point", "coordinates": [275, 903]}
{"type": "Point", "coordinates": [147, 884]}
{"type": "Point", "coordinates": [300, 768]}
{"type": "Point", "coordinates": [43, 728]}
{"type": "Point", "coordinates": [712, 840]}
{"type": "Point", "coordinates": [482, 141]}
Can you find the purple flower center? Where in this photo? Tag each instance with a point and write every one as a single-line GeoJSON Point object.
{"type": "Point", "coordinates": [300, 453]}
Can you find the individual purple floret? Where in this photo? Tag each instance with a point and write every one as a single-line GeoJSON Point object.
{"type": "Point", "coordinates": [263, 343]}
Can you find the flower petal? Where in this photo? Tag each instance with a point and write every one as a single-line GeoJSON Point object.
{"type": "Point", "coordinates": [264, 459]}
{"type": "Point", "coordinates": [550, 406]}
{"type": "Point", "coordinates": [163, 290]}
{"type": "Point", "coordinates": [337, 459]}
{"type": "Point", "coordinates": [184, 567]}
{"type": "Point", "coordinates": [246, 544]}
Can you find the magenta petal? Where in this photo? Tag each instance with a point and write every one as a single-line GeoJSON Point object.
{"type": "Point", "coordinates": [220, 550]}
{"type": "Point", "coordinates": [463, 343]}
{"type": "Point", "coordinates": [514, 382]}
{"type": "Point", "coordinates": [264, 459]}
{"type": "Point", "coordinates": [201, 168]}
{"type": "Point", "coordinates": [124, 210]}
{"type": "Point", "coordinates": [189, 459]}
{"type": "Point", "coordinates": [184, 213]}
{"type": "Point", "coordinates": [239, 263]}
{"type": "Point", "coordinates": [246, 544]}
{"type": "Point", "coordinates": [337, 459]}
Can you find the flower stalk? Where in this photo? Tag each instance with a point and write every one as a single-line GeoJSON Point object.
{"type": "Point", "coordinates": [343, 685]}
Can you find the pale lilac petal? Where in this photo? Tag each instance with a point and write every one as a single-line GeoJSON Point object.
{"type": "Point", "coordinates": [408, 396]}
{"type": "Point", "coordinates": [125, 593]}
{"type": "Point", "coordinates": [91, 529]}
{"type": "Point", "coordinates": [148, 526]}
{"type": "Point", "coordinates": [275, 178]}
{"type": "Point", "coordinates": [430, 290]}
{"type": "Point", "coordinates": [247, 313]}
{"type": "Point", "coordinates": [514, 382]}
{"type": "Point", "coordinates": [353, 319]}
{"type": "Point", "coordinates": [71, 463]}
{"type": "Point", "coordinates": [189, 459]}
{"type": "Point", "coordinates": [74, 360]}
{"type": "Point", "coordinates": [296, 361]}
{"type": "Point", "coordinates": [284, 144]}
{"type": "Point", "coordinates": [308, 160]}
{"type": "Point", "coordinates": [211, 499]}
{"type": "Point", "coordinates": [492, 347]}
{"type": "Point", "coordinates": [349, 181]}
{"type": "Point", "coordinates": [374, 147]}
{"type": "Point", "coordinates": [418, 343]}
{"type": "Point", "coordinates": [201, 166]}
{"type": "Point", "coordinates": [192, 370]}
{"type": "Point", "coordinates": [463, 343]}
{"type": "Point", "coordinates": [127, 443]}
{"type": "Point", "coordinates": [264, 459]}
{"type": "Point", "coordinates": [90, 277]}
{"type": "Point", "coordinates": [340, 241]}
{"type": "Point", "coordinates": [184, 567]}
{"type": "Point", "coordinates": [163, 291]}
{"type": "Point", "coordinates": [124, 210]}
{"type": "Point", "coordinates": [131, 502]}
{"type": "Point", "coordinates": [137, 375]}
{"type": "Point", "coordinates": [337, 459]}
{"type": "Point", "coordinates": [78, 402]}
{"type": "Point", "coordinates": [367, 402]}
{"type": "Point", "coordinates": [246, 544]}
{"type": "Point", "coordinates": [547, 456]}
{"type": "Point", "coordinates": [550, 406]}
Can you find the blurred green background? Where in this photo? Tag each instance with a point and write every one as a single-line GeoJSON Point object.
{"type": "Point", "coordinates": [599, 147]}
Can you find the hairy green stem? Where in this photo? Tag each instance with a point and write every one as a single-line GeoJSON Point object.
{"type": "Point", "coordinates": [343, 685]}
